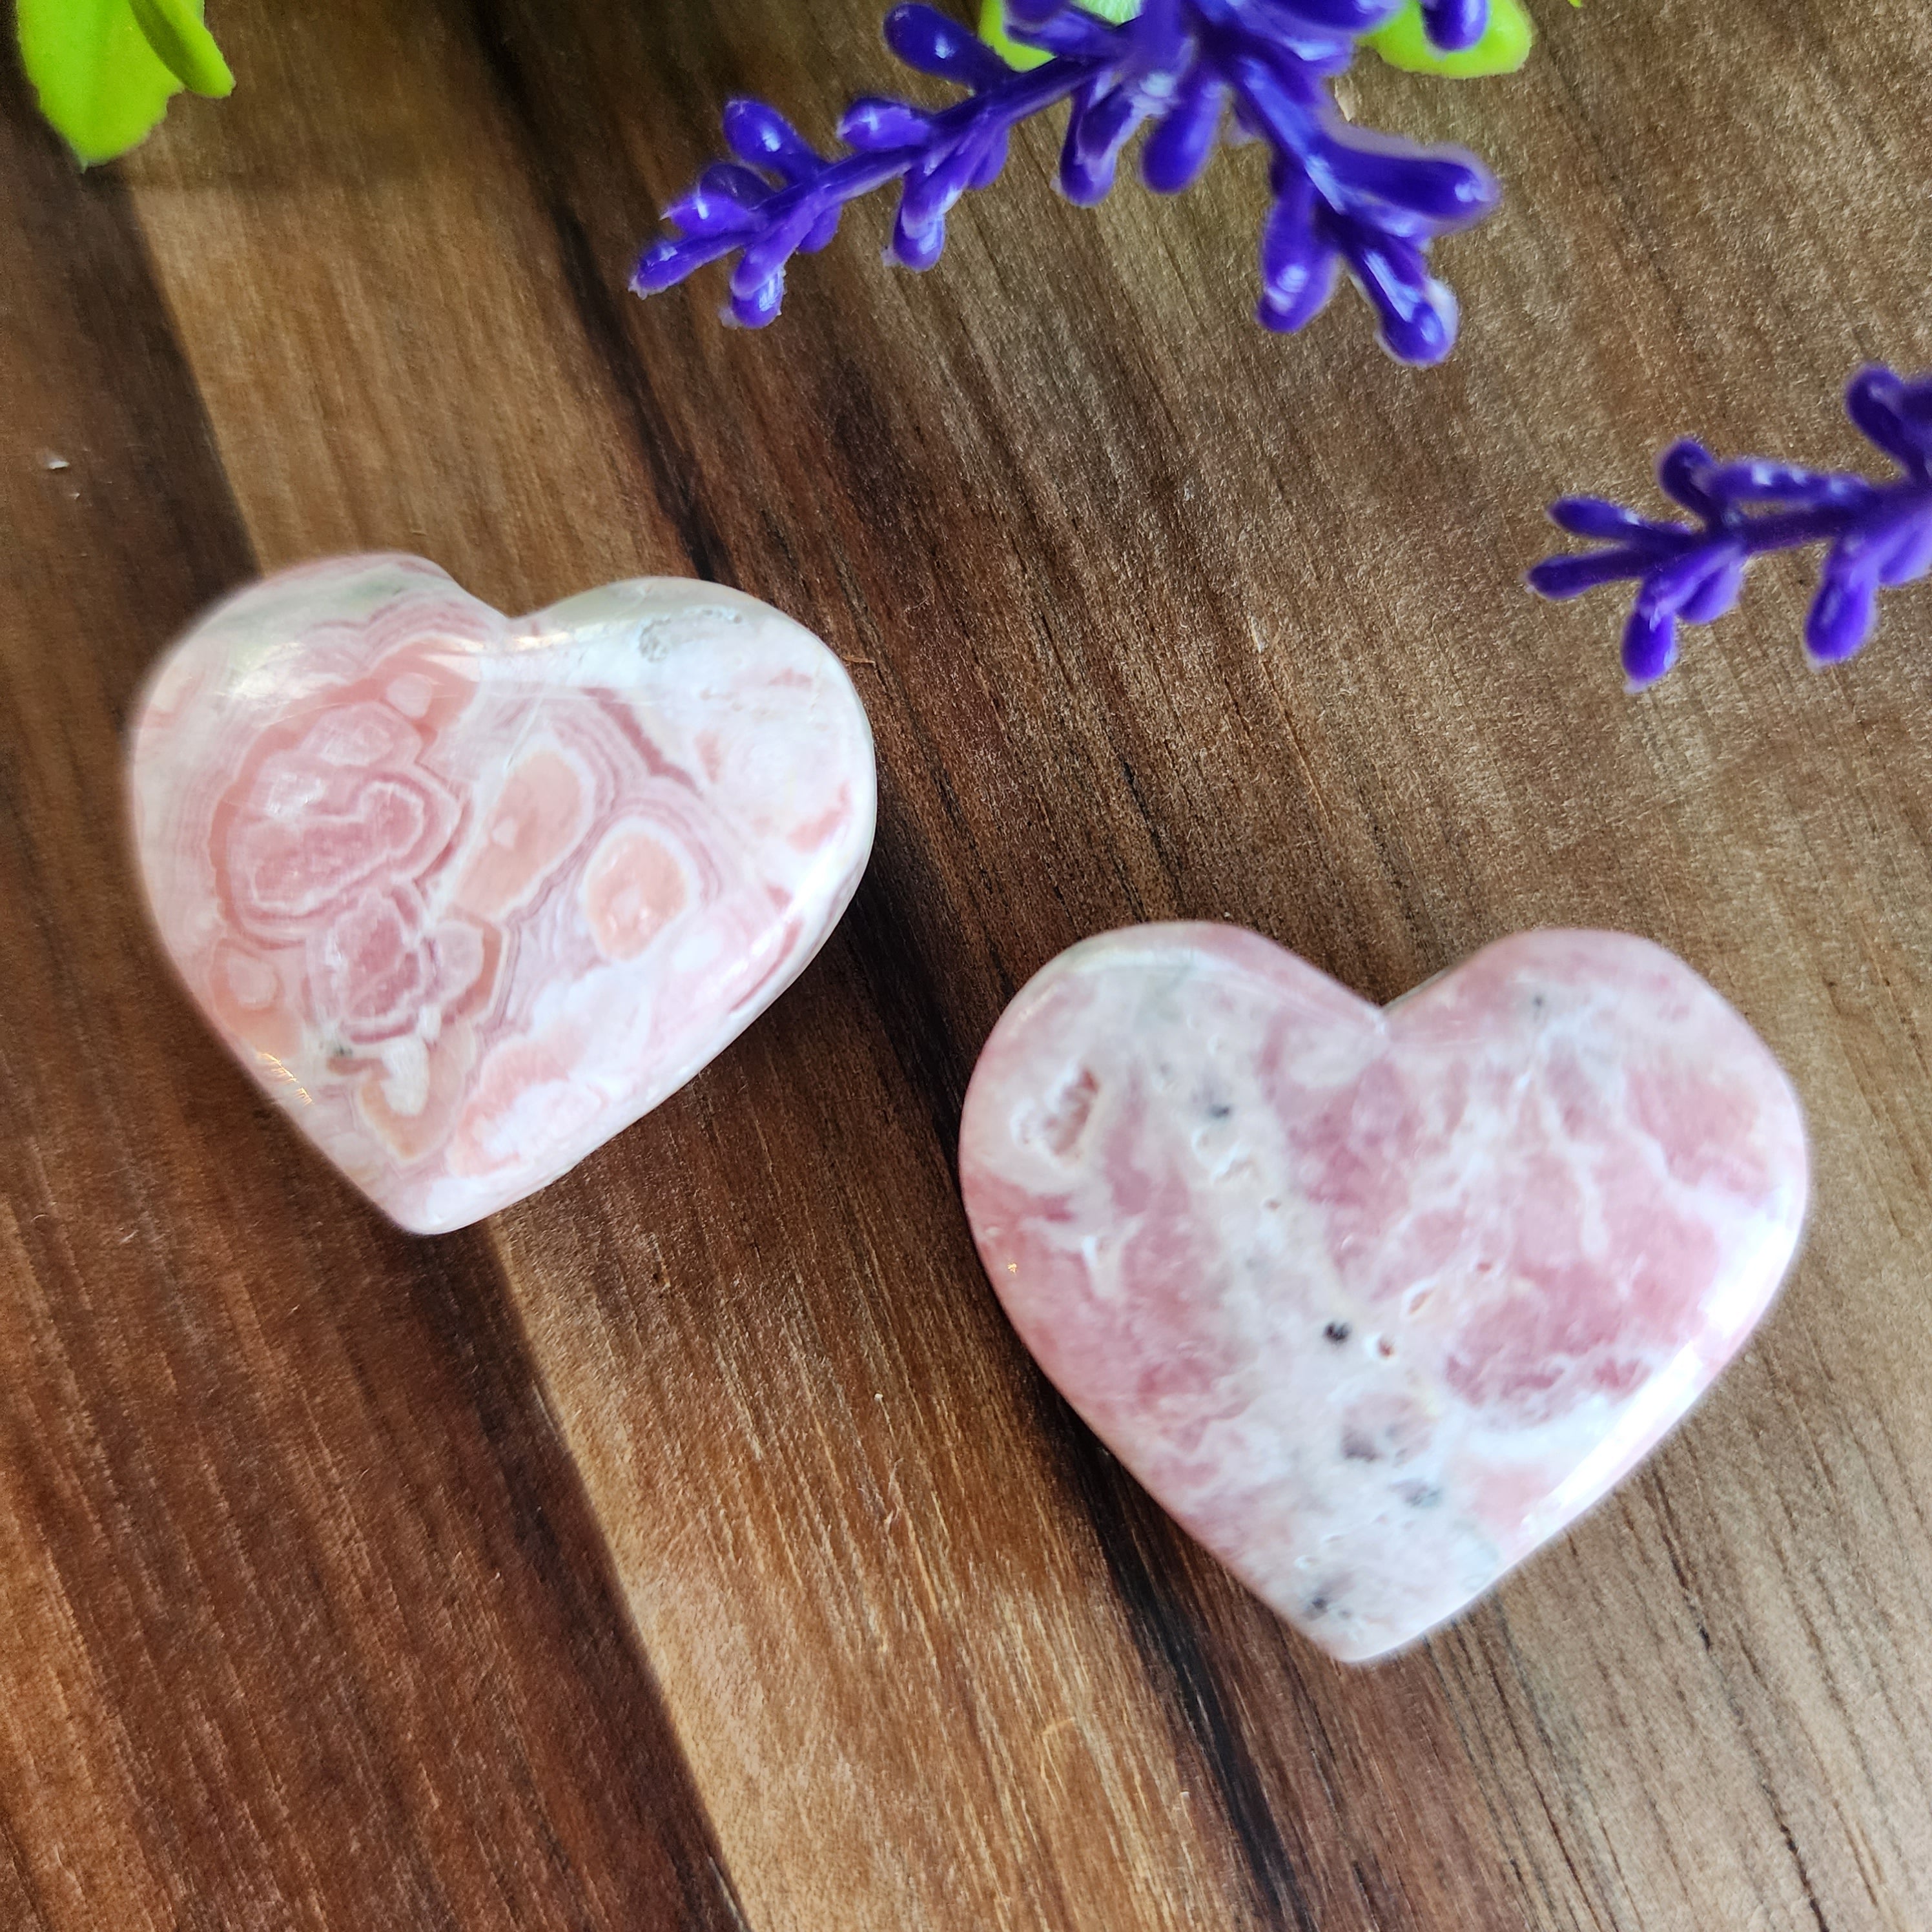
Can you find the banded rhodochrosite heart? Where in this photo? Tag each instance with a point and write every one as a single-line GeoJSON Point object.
{"type": "Point", "coordinates": [1376, 1301]}
{"type": "Point", "coordinates": [468, 894]}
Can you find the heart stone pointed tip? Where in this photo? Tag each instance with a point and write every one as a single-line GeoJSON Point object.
{"type": "Point", "coordinates": [467, 894]}
{"type": "Point", "coordinates": [1374, 1302]}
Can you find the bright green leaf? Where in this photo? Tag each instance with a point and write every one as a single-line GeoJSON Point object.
{"type": "Point", "coordinates": [100, 79]}
{"type": "Point", "coordinates": [1404, 43]}
{"type": "Point", "coordinates": [187, 49]}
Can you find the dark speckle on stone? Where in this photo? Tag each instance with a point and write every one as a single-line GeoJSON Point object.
{"type": "Point", "coordinates": [1219, 1111]}
{"type": "Point", "coordinates": [1421, 1495]}
{"type": "Point", "coordinates": [1337, 1331]}
{"type": "Point", "coordinates": [1357, 1447]}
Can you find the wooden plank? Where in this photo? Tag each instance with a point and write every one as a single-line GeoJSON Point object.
{"type": "Point", "coordinates": [305, 1622]}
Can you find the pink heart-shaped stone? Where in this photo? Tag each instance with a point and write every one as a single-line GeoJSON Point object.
{"type": "Point", "coordinates": [468, 894]}
{"type": "Point", "coordinates": [1376, 1301]}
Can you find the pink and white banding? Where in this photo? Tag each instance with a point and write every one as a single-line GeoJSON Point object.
{"type": "Point", "coordinates": [1376, 1301]}
{"type": "Point", "coordinates": [468, 894]}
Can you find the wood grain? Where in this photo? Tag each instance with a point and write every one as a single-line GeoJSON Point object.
{"type": "Point", "coordinates": [694, 1546]}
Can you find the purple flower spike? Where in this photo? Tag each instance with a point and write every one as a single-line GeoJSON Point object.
{"type": "Point", "coordinates": [1880, 533]}
{"type": "Point", "coordinates": [1187, 70]}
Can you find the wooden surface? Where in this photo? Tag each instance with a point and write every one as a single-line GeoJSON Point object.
{"type": "Point", "coordinates": [693, 1546]}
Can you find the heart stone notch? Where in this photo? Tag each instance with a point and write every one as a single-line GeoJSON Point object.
{"type": "Point", "coordinates": [1376, 1301]}
{"type": "Point", "coordinates": [467, 894]}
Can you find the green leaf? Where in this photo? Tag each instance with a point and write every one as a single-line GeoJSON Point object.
{"type": "Point", "coordinates": [105, 70]}
{"type": "Point", "coordinates": [1403, 43]}
{"type": "Point", "coordinates": [185, 47]}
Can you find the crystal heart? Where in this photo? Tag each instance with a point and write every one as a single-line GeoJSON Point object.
{"type": "Point", "coordinates": [468, 894]}
{"type": "Point", "coordinates": [1374, 1302]}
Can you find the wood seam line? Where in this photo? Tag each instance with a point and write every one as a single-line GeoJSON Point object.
{"type": "Point", "coordinates": [600, 316]}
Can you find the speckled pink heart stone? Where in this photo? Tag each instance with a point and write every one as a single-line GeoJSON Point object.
{"type": "Point", "coordinates": [468, 894]}
{"type": "Point", "coordinates": [1376, 1301]}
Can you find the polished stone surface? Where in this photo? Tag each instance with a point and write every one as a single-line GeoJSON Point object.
{"type": "Point", "coordinates": [467, 894]}
{"type": "Point", "coordinates": [1376, 1301]}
